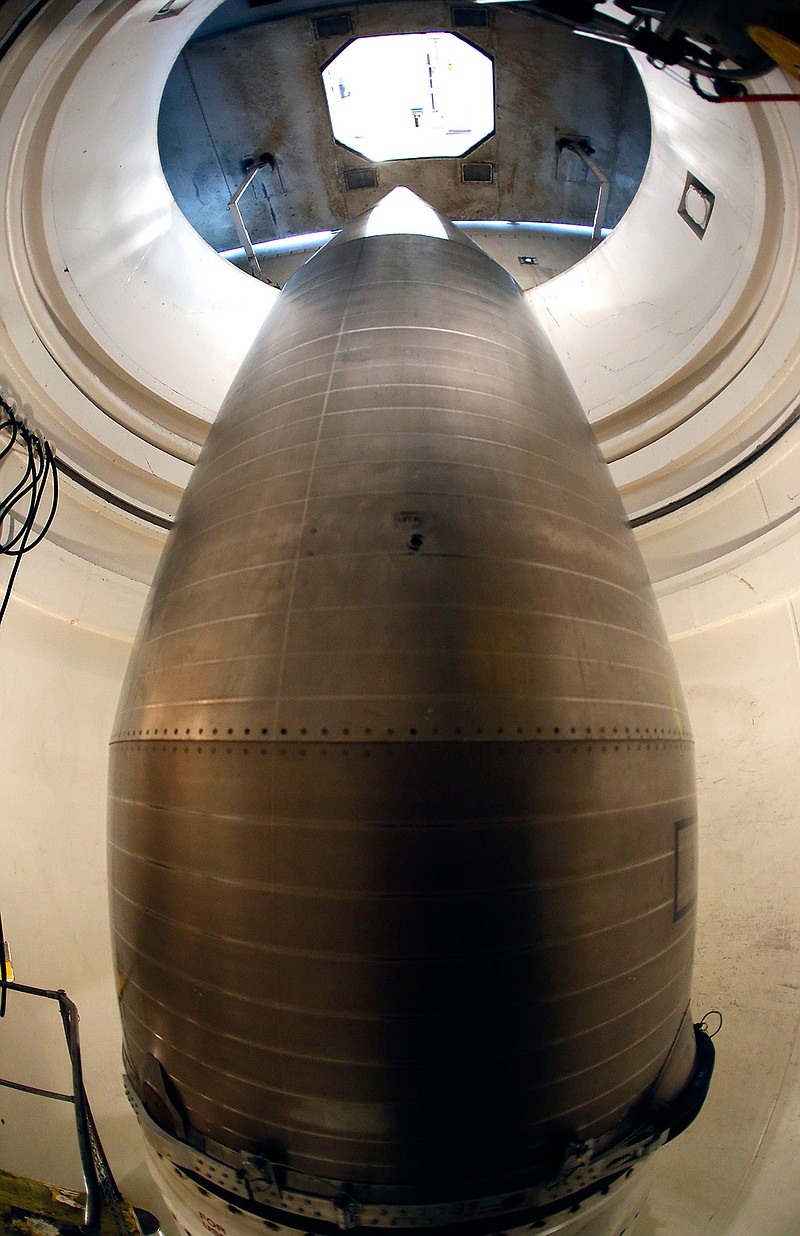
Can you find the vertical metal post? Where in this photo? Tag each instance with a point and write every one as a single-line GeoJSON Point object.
{"type": "Point", "coordinates": [102, 1193]}
{"type": "Point", "coordinates": [94, 1197]}
{"type": "Point", "coordinates": [583, 151]}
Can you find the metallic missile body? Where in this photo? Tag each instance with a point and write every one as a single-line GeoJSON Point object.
{"type": "Point", "coordinates": [402, 816]}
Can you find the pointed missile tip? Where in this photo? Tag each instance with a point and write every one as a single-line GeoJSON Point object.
{"type": "Point", "coordinates": [402, 210]}
{"type": "Point", "coordinates": [398, 195]}
{"type": "Point", "coordinates": [399, 213]}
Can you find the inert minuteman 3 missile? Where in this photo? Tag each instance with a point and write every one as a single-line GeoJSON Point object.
{"type": "Point", "coordinates": [402, 814]}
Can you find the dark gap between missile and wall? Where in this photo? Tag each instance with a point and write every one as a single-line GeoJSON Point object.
{"type": "Point", "coordinates": [85, 482]}
{"type": "Point", "coordinates": [638, 521]}
{"type": "Point", "coordinates": [20, 24]}
{"type": "Point", "coordinates": [669, 507]}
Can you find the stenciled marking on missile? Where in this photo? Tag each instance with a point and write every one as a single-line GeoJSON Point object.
{"type": "Point", "coordinates": [685, 866]}
{"type": "Point", "coordinates": [210, 1225]}
{"type": "Point", "coordinates": [414, 520]}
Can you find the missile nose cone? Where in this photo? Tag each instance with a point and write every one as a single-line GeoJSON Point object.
{"type": "Point", "coordinates": [400, 213]}
{"type": "Point", "coordinates": [402, 811]}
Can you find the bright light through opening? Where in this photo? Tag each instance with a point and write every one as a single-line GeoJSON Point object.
{"type": "Point", "coordinates": [410, 96]}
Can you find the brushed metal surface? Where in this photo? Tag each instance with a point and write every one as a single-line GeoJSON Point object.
{"type": "Point", "coordinates": [402, 821]}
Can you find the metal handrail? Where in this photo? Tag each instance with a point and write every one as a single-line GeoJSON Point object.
{"type": "Point", "coordinates": [252, 167]}
{"type": "Point", "coordinates": [583, 150]}
{"type": "Point", "coordinates": [101, 1188]}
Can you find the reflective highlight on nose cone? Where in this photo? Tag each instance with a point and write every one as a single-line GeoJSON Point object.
{"type": "Point", "coordinates": [402, 817]}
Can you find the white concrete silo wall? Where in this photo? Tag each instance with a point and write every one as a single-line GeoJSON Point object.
{"type": "Point", "coordinates": [733, 1173]}
{"type": "Point", "coordinates": [654, 299]}
{"type": "Point", "coordinates": [59, 685]}
{"type": "Point", "coordinates": [121, 329]}
{"type": "Point", "coordinates": [686, 353]}
{"type": "Point", "coordinates": [136, 286]}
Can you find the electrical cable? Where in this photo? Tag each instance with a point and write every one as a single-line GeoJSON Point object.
{"type": "Point", "coordinates": [3, 971]}
{"type": "Point", "coordinates": [704, 1022]}
{"type": "Point", "coordinates": [730, 95]}
{"type": "Point", "coordinates": [103, 1198]}
{"type": "Point", "coordinates": [19, 507]}
{"type": "Point", "coordinates": [643, 32]}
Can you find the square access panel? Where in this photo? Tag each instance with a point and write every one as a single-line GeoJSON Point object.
{"type": "Point", "coordinates": [477, 173]}
{"type": "Point", "coordinates": [696, 205]}
{"type": "Point", "coordinates": [336, 25]}
{"type": "Point", "coordinates": [472, 15]}
{"type": "Point", "coordinates": [361, 177]}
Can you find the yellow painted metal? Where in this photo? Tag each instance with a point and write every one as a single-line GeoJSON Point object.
{"type": "Point", "coordinates": [30, 1206]}
{"type": "Point", "coordinates": [784, 51]}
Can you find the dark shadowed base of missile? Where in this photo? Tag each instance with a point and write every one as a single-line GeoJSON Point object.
{"type": "Point", "coordinates": [402, 818]}
{"type": "Point", "coordinates": [285, 1200]}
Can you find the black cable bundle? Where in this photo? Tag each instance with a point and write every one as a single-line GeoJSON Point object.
{"type": "Point", "coordinates": [17, 534]}
{"type": "Point", "coordinates": [4, 971]}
